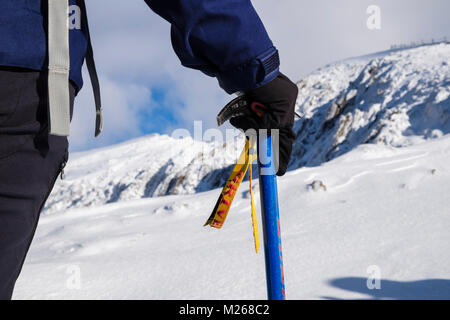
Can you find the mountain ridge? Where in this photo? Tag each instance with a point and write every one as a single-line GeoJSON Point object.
{"type": "Point", "coordinates": [398, 98]}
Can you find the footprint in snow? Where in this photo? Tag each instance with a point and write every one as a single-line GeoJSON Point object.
{"type": "Point", "coordinates": [416, 180]}
{"type": "Point", "coordinates": [65, 247]}
{"type": "Point", "coordinates": [99, 246]}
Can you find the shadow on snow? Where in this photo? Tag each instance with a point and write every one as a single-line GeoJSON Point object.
{"type": "Point", "coordinates": [430, 289]}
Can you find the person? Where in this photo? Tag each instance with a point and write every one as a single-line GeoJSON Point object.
{"type": "Point", "coordinates": [223, 39]}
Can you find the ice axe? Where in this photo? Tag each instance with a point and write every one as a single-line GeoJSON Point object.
{"type": "Point", "coordinates": [269, 197]}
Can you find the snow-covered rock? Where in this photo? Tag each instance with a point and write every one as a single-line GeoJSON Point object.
{"type": "Point", "coordinates": [151, 166]}
{"type": "Point", "coordinates": [397, 99]}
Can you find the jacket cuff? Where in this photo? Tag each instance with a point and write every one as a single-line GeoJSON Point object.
{"type": "Point", "coordinates": [252, 74]}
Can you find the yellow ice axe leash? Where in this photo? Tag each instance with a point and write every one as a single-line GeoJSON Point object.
{"type": "Point", "coordinates": [254, 219]}
{"type": "Point", "coordinates": [240, 106]}
{"type": "Point", "coordinates": [223, 204]}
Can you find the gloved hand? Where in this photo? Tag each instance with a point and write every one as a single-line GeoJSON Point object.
{"type": "Point", "coordinates": [273, 107]}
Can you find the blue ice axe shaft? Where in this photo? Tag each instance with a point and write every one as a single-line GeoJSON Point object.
{"type": "Point", "coordinates": [271, 220]}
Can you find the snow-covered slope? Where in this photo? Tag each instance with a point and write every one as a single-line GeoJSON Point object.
{"type": "Point", "coordinates": [155, 165]}
{"type": "Point", "coordinates": [385, 209]}
{"type": "Point", "coordinates": [394, 98]}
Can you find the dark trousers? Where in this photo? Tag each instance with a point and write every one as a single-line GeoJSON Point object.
{"type": "Point", "coordinates": [30, 162]}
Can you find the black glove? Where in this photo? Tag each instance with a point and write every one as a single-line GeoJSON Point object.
{"type": "Point", "coordinates": [273, 107]}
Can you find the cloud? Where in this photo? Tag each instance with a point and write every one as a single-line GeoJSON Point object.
{"type": "Point", "coordinates": [126, 103]}
{"type": "Point", "coordinates": [310, 34]}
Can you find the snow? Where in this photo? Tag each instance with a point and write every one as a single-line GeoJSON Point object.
{"type": "Point", "coordinates": [382, 207]}
{"type": "Point", "coordinates": [155, 165]}
{"type": "Point", "coordinates": [367, 193]}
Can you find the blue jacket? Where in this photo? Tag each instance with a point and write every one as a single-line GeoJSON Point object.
{"type": "Point", "coordinates": [222, 38]}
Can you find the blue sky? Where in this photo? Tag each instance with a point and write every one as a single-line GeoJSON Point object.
{"type": "Point", "coordinates": [146, 90]}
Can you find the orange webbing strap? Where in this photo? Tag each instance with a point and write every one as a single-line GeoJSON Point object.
{"type": "Point", "coordinates": [223, 204]}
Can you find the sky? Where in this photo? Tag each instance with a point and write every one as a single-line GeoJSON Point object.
{"type": "Point", "coordinates": [146, 90]}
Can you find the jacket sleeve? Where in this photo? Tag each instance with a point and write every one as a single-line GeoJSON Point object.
{"type": "Point", "coordinates": [223, 38]}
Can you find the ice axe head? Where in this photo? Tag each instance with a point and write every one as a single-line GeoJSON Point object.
{"type": "Point", "coordinates": [240, 106]}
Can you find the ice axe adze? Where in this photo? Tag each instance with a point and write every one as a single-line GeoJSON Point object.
{"type": "Point", "coordinates": [269, 199]}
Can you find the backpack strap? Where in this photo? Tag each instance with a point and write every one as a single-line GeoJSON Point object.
{"type": "Point", "coordinates": [58, 68]}
{"type": "Point", "coordinates": [90, 63]}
